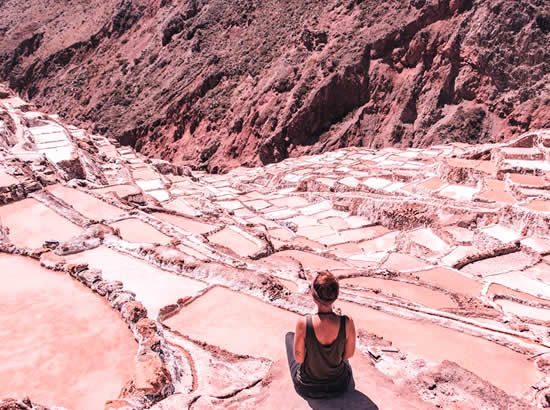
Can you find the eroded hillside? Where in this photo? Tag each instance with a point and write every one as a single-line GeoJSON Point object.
{"type": "Point", "coordinates": [216, 84]}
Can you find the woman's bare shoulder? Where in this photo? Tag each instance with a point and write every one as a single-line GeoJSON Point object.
{"type": "Point", "coordinates": [301, 323]}
{"type": "Point", "coordinates": [349, 320]}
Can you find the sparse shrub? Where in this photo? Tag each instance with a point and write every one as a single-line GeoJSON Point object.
{"type": "Point", "coordinates": [153, 58]}
{"type": "Point", "coordinates": [397, 133]}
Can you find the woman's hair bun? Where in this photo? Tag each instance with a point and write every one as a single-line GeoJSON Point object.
{"type": "Point", "coordinates": [326, 286]}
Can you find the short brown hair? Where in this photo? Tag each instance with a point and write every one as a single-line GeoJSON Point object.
{"type": "Point", "coordinates": [326, 287]}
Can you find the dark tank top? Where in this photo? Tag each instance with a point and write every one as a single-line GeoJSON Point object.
{"type": "Point", "coordinates": [324, 372]}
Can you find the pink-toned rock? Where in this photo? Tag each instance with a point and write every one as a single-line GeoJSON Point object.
{"type": "Point", "coordinates": [133, 311]}
{"type": "Point", "coordinates": [119, 298]}
{"type": "Point", "coordinates": [52, 261]}
{"type": "Point", "coordinates": [118, 405]}
{"type": "Point", "coordinates": [75, 269]}
{"type": "Point", "coordinates": [105, 287]}
{"type": "Point", "coordinates": [151, 376]}
{"type": "Point", "coordinates": [147, 331]}
{"type": "Point", "coordinates": [24, 404]}
{"type": "Point", "coordinates": [89, 276]}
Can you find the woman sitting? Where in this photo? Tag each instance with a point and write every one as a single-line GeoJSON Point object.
{"type": "Point", "coordinates": [322, 344]}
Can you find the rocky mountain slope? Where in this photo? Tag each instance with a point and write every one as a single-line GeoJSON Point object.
{"type": "Point", "coordinates": [215, 84]}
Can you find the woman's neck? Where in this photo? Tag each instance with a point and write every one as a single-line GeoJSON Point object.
{"type": "Point", "coordinates": [324, 309]}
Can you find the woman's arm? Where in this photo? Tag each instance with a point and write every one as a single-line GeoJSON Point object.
{"type": "Point", "coordinates": [350, 338]}
{"type": "Point", "coordinates": [300, 340]}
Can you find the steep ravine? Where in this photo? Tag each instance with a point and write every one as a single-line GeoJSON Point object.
{"type": "Point", "coordinates": [218, 84]}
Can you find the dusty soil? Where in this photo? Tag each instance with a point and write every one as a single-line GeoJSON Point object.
{"type": "Point", "coordinates": [216, 84]}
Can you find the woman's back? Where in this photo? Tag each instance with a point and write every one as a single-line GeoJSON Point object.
{"type": "Point", "coordinates": [326, 327]}
{"type": "Point", "coordinates": [324, 369]}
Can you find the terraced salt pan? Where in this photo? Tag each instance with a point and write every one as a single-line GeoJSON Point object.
{"type": "Point", "coordinates": [345, 250]}
{"type": "Point", "coordinates": [192, 252]}
{"type": "Point", "coordinates": [153, 287]}
{"type": "Point", "coordinates": [230, 205]}
{"type": "Point", "coordinates": [282, 233]}
{"type": "Point", "coordinates": [396, 186]}
{"type": "Point", "coordinates": [500, 290]}
{"type": "Point", "coordinates": [290, 202]}
{"type": "Point", "coordinates": [109, 151]}
{"type": "Point", "coordinates": [383, 243]}
{"type": "Point", "coordinates": [316, 208]}
{"type": "Point", "coordinates": [459, 192]}
{"type": "Point", "coordinates": [519, 281]}
{"type": "Point", "coordinates": [7, 180]}
{"type": "Point", "coordinates": [150, 185]}
{"type": "Point", "coordinates": [134, 230]}
{"type": "Point", "coordinates": [538, 244]}
{"type": "Point", "coordinates": [334, 239]}
{"type": "Point", "coordinates": [359, 234]}
{"type": "Point", "coordinates": [258, 204]}
{"type": "Point", "coordinates": [522, 310]}
{"type": "Point", "coordinates": [355, 221]}
{"type": "Point", "coordinates": [160, 195]}
{"type": "Point", "coordinates": [433, 184]}
{"type": "Point", "coordinates": [452, 280]}
{"type": "Point", "coordinates": [497, 196]}
{"type": "Point", "coordinates": [502, 233]}
{"type": "Point", "coordinates": [367, 260]}
{"type": "Point", "coordinates": [145, 174]}
{"type": "Point", "coordinates": [187, 224]}
{"type": "Point", "coordinates": [121, 190]}
{"type": "Point", "coordinates": [59, 339]}
{"type": "Point", "coordinates": [402, 262]}
{"type": "Point", "coordinates": [350, 182]}
{"type": "Point", "coordinates": [281, 214]}
{"type": "Point", "coordinates": [539, 205]}
{"type": "Point", "coordinates": [258, 220]}
{"type": "Point", "coordinates": [499, 365]}
{"type": "Point", "coordinates": [377, 183]}
{"type": "Point", "coordinates": [311, 261]}
{"type": "Point", "coordinates": [335, 223]}
{"type": "Point", "coordinates": [540, 271]}
{"type": "Point", "coordinates": [261, 327]}
{"type": "Point", "coordinates": [315, 232]}
{"type": "Point", "coordinates": [236, 240]}
{"type": "Point", "coordinates": [31, 224]}
{"type": "Point", "coordinates": [427, 238]}
{"type": "Point", "coordinates": [526, 164]}
{"type": "Point", "coordinates": [304, 221]}
{"type": "Point", "coordinates": [52, 141]}
{"type": "Point", "coordinates": [86, 204]}
{"type": "Point", "coordinates": [457, 254]}
{"type": "Point", "coordinates": [244, 213]}
{"type": "Point", "coordinates": [498, 264]}
{"type": "Point", "coordinates": [529, 180]}
{"type": "Point", "coordinates": [417, 294]}
{"type": "Point", "coordinates": [182, 206]}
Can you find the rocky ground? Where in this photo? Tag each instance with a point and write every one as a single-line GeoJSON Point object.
{"type": "Point", "coordinates": [217, 84]}
{"type": "Point", "coordinates": [149, 285]}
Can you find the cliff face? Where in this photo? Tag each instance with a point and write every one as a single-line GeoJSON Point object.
{"type": "Point", "coordinates": [217, 84]}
